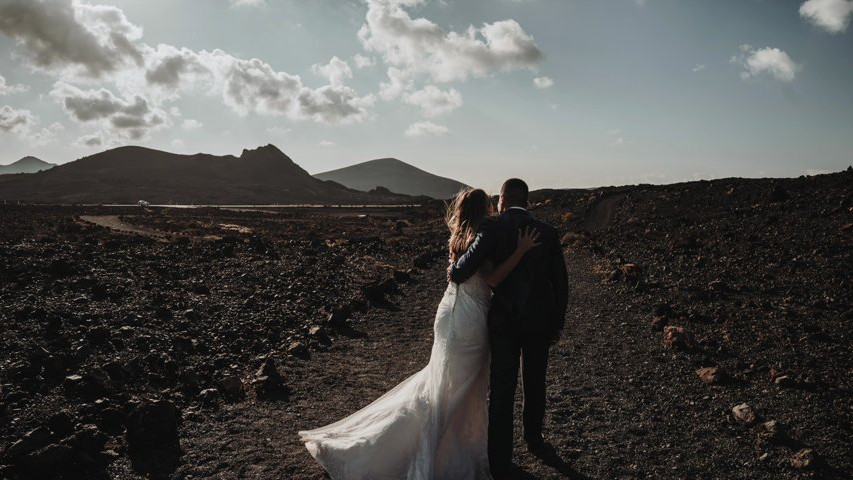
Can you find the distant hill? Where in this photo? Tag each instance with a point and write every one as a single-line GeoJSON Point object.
{"type": "Point", "coordinates": [396, 176]}
{"type": "Point", "coordinates": [26, 165]}
{"type": "Point", "coordinates": [128, 174]}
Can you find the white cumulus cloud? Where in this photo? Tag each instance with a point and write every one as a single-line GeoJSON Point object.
{"type": "Point", "coordinates": [831, 15]}
{"type": "Point", "coordinates": [770, 61]}
{"type": "Point", "coordinates": [23, 124]}
{"type": "Point", "coordinates": [423, 129]}
{"type": "Point", "coordinates": [191, 124]}
{"type": "Point", "coordinates": [336, 71]}
{"type": "Point", "coordinates": [6, 89]}
{"type": "Point", "coordinates": [434, 101]}
{"type": "Point", "coordinates": [362, 61]}
{"type": "Point", "coordinates": [543, 82]}
{"type": "Point", "coordinates": [90, 40]}
{"type": "Point", "coordinates": [420, 46]}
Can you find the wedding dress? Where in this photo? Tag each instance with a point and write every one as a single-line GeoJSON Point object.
{"type": "Point", "coordinates": [434, 424]}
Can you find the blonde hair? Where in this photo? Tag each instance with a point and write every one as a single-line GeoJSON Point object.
{"type": "Point", "coordinates": [463, 217]}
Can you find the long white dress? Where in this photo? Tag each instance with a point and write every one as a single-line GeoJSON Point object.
{"type": "Point", "coordinates": [433, 425]}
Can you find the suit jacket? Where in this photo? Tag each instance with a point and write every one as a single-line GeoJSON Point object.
{"type": "Point", "coordinates": [534, 297]}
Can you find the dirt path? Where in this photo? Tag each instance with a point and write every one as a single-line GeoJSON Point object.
{"type": "Point", "coordinates": [616, 404]}
{"type": "Point", "coordinates": [601, 213]}
{"type": "Point", "coordinates": [113, 222]}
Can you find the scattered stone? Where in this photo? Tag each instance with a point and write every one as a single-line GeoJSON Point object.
{"type": "Point", "coordinates": [153, 424]}
{"type": "Point", "coordinates": [772, 431]}
{"type": "Point", "coordinates": [784, 381]}
{"type": "Point", "coordinates": [658, 322]}
{"type": "Point", "coordinates": [32, 441]}
{"type": "Point", "coordinates": [803, 459]}
{"type": "Point", "coordinates": [98, 335]}
{"type": "Point", "coordinates": [112, 420]}
{"type": "Point", "coordinates": [268, 383]}
{"type": "Point", "coordinates": [88, 439]}
{"type": "Point", "coordinates": [208, 396]}
{"type": "Point", "coordinates": [60, 424]}
{"type": "Point", "coordinates": [678, 338]}
{"type": "Point", "coordinates": [743, 413]}
{"type": "Point", "coordinates": [232, 387]}
{"type": "Point", "coordinates": [298, 350]}
{"type": "Point", "coordinates": [712, 375]}
{"type": "Point", "coordinates": [49, 461]}
{"type": "Point", "coordinates": [339, 316]}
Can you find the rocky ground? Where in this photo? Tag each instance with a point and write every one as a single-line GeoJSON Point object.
{"type": "Point", "coordinates": [195, 343]}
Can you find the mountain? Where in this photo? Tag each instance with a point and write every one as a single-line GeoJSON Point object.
{"type": "Point", "coordinates": [395, 175]}
{"type": "Point", "coordinates": [128, 174]}
{"type": "Point", "coordinates": [25, 165]}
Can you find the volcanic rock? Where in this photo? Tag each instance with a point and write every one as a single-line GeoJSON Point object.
{"type": "Point", "coordinates": [298, 350]}
{"type": "Point", "coordinates": [268, 383]}
{"type": "Point", "coordinates": [34, 440]}
{"type": "Point", "coordinates": [678, 338]}
{"type": "Point", "coordinates": [151, 424]}
{"type": "Point", "coordinates": [743, 413]}
{"type": "Point", "coordinates": [61, 424]}
{"type": "Point", "coordinates": [232, 387]}
{"type": "Point", "coordinates": [712, 375]}
{"type": "Point", "coordinates": [803, 459]}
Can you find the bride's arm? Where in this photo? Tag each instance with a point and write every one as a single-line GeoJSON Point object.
{"type": "Point", "coordinates": [527, 239]}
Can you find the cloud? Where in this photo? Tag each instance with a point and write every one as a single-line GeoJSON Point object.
{"type": "Point", "coordinates": [6, 89]}
{"type": "Point", "coordinates": [167, 66]}
{"type": "Point", "coordinates": [699, 67]}
{"type": "Point", "coordinates": [278, 130]}
{"type": "Point", "coordinates": [433, 101]}
{"type": "Point", "coordinates": [619, 139]}
{"type": "Point", "coordinates": [254, 86]}
{"type": "Point", "coordinates": [543, 82]}
{"type": "Point", "coordinates": [423, 129]}
{"type": "Point", "coordinates": [336, 71]}
{"type": "Point", "coordinates": [772, 61]}
{"type": "Point", "coordinates": [91, 40]}
{"type": "Point", "coordinates": [326, 144]}
{"type": "Point", "coordinates": [362, 61]}
{"type": "Point", "coordinates": [191, 124]}
{"type": "Point", "coordinates": [831, 15]}
{"type": "Point", "coordinates": [23, 124]}
{"type": "Point", "coordinates": [248, 3]}
{"type": "Point", "coordinates": [17, 121]}
{"type": "Point", "coordinates": [399, 82]}
{"type": "Point", "coordinates": [89, 141]}
{"type": "Point", "coordinates": [129, 119]}
{"type": "Point", "coordinates": [74, 42]}
{"type": "Point", "coordinates": [419, 46]}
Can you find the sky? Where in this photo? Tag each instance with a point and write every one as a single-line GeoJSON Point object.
{"type": "Point", "coordinates": [562, 93]}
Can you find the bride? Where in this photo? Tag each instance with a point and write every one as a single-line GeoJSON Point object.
{"type": "Point", "coordinates": [433, 425]}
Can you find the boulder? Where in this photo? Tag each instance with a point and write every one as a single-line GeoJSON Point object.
{"type": "Point", "coordinates": [30, 442]}
{"type": "Point", "coordinates": [153, 424]}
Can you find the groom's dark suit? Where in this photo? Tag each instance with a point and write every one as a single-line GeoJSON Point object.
{"type": "Point", "coordinates": [528, 310]}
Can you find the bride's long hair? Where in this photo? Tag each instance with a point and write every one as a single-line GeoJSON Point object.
{"type": "Point", "coordinates": [463, 217]}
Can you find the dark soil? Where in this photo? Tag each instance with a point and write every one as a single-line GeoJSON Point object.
{"type": "Point", "coordinates": [195, 343]}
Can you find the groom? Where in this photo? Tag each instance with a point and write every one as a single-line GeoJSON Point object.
{"type": "Point", "coordinates": [526, 317]}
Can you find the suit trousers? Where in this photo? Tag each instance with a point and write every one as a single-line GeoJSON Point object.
{"type": "Point", "coordinates": [508, 348]}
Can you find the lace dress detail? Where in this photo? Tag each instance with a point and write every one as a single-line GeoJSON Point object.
{"type": "Point", "coordinates": [433, 425]}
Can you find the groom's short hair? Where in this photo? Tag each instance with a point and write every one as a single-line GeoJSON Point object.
{"type": "Point", "coordinates": [515, 192]}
